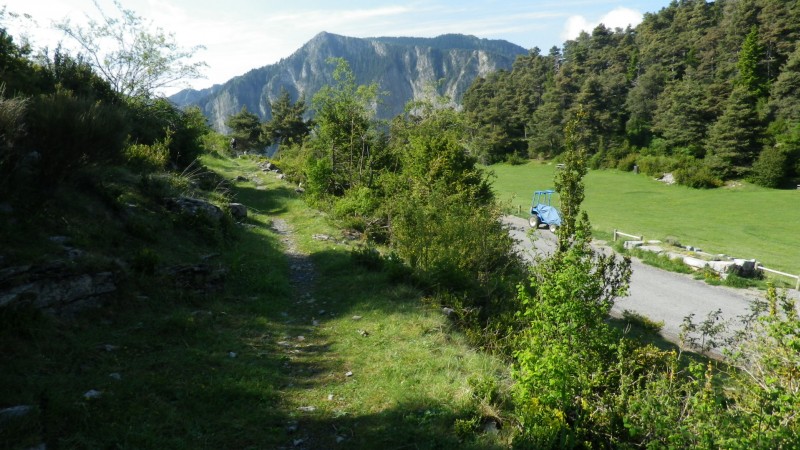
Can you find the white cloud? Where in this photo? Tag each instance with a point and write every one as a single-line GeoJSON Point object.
{"type": "Point", "coordinates": [616, 18]}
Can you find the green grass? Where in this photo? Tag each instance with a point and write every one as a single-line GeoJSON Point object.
{"type": "Point", "coordinates": [171, 380]}
{"type": "Point", "coordinates": [746, 221]}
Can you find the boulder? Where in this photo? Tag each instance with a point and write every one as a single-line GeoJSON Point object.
{"type": "Point", "coordinates": [238, 211]}
{"type": "Point", "coordinates": [697, 263]}
{"type": "Point", "coordinates": [194, 207]}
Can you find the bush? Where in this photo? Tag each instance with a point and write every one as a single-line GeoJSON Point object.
{"type": "Point", "coordinates": [12, 113]}
{"type": "Point", "coordinates": [69, 132]}
{"type": "Point", "coordinates": [699, 177]}
{"type": "Point", "coordinates": [148, 158]}
{"type": "Point", "coordinates": [770, 169]}
{"type": "Point", "coordinates": [626, 164]}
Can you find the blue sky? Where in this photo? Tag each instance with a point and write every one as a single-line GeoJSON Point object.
{"type": "Point", "coordinates": [240, 35]}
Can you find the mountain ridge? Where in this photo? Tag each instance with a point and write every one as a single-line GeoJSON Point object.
{"type": "Point", "coordinates": [404, 67]}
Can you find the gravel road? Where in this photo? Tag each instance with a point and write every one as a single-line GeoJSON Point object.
{"type": "Point", "coordinates": [657, 294]}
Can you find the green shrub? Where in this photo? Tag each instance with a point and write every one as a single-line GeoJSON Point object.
{"type": "Point", "coordinates": [148, 158]}
{"type": "Point", "coordinates": [770, 168]}
{"type": "Point", "coordinates": [69, 132]}
{"type": "Point", "coordinates": [145, 261]}
{"type": "Point", "coordinates": [626, 164]}
{"type": "Point", "coordinates": [515, 159]}
{"type": "Point", "coordinates": [12, 113]}
{"type": "Point", "coordinates": [698, 177]}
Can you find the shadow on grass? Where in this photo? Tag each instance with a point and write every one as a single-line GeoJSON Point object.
{"type": "Point", "coordinates": [270, 200]}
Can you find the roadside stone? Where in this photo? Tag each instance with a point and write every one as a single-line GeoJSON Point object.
{"type": "Point", "coordinates": [697, 263]}
{"type": "Point", "coordinates": [632, 244]}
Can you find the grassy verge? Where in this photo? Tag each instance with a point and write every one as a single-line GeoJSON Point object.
{"type": "Point", "coordinates": [354, 361]}
{"type": "Point", "coordinates": [744, 221]}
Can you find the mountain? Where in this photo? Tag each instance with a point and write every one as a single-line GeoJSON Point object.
{"type": "Point", "coordinates": [404, 67]}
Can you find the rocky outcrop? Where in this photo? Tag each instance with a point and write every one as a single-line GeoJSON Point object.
{"type": "Point", "coordinates": [195, 207]}
{"type": "Point", "coordinates": [54, 287]}
{"type": "Point", "coordinates": [405, 68]}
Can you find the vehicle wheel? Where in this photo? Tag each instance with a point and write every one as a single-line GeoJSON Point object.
{"type": "Point", "coordinates": [553, 228]}
{"type": "Point", "coordinates": [534, 221]}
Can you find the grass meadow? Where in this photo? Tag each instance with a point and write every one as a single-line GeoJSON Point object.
{"type": "Point", "coordinates": [744, 221]}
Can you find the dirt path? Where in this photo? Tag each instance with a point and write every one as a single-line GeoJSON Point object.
{"type": "Point", "coordinates": [301, 269]}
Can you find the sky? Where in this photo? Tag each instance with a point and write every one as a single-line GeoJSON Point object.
{"type": "Point", "coordinates": [239, 35]}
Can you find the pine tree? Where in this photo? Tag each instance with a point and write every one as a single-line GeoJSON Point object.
{"type": "Point", "coordinates": [732, 143]}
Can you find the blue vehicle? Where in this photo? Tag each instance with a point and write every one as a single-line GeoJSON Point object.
{"type": "Point", "coordinates": [542, 212]}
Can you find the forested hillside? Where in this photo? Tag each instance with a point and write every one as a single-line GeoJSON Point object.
{"type": "Point", "coordinates": [707, 90]}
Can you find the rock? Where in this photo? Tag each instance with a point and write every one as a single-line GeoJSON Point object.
{"type": "Point", "coordinates": [240, 178]}
{"type": "Point", "coordinates": [107, 347]}
{"type": "Point", "coordinates": [281, 176]}
{"type": "Point", "coordinates": [652, 248]}
{"type": "Point", "coordinates": [667, 178]}
{"type": "Point", "coordinates": [348, 374]}
{"type": "Point", "coordinates": [363, 333]}
{"type": "Point", "coordinates": [745, 267]}
{"type": "Point", "coordinates": [340, 439]}
{"type": "Point", "coordinates": [291, 427]}
{"type": "Point", "coordinates": [238, 211]}
{"type": "Point", "coordinates": [720, 266]}
{"type": "Point", "coordinates": [632, 244]}
{"type": "Point", "coordinates": [115, 376]}
{"type": "Point", "coordinates": [307, 408]}
{"type": "Point", "coordinates": [330, 397]}
{"type": "Point", "coordinates": [54, 287]}
{"type": "Point", "coordinates": [447, 311]}
{"type": "Point", "coordinates": [697, 263]}
{"type": "Point", "coordinates": [232, 354]}
{"type": "Point", "coordinates": [15, 411]}
{"type": "Point", "coordinates": [356, 317]}
{"type": "Point", "coordinates": [92, 394]}
{"type": "Point", "coordinates": [194, 207]}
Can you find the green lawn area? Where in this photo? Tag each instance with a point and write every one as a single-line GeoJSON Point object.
{"type": "Point", "coordinates": [745, 221]}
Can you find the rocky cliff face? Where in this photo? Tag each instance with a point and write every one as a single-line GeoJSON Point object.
{"type": "Point", "coordinates": [404, 68]}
